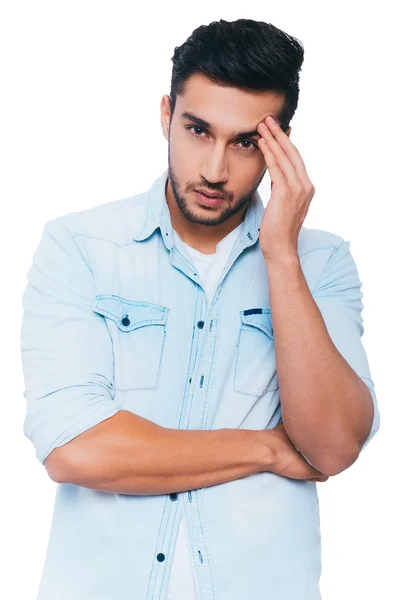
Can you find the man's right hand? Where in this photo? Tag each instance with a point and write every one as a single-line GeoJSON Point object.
{"type": "Point", "coordinates": [289, 461]}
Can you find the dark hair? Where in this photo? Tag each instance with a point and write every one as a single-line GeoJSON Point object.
{"type": "Point", "coordinates": [247, 54]}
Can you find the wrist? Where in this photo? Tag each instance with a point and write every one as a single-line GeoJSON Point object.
{"type": "Point", "coordinates": [288, 259]}
{"type": "Point", "coordinates": [265, 450]}
{"type": "Point", "coordinates": [285, 274]}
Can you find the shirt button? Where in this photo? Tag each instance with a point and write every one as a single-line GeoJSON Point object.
{"type": "Point", "coordinates": [125, 321]}
{"type": "Point", "coordinates": [174, 496]}
{"type": "Point", "coordinates": [200, 324]}
{"type": "Point", "coordinates": [160, 557]}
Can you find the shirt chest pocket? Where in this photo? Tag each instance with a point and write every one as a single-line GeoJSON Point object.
{"type": "Point", "coordinates": [138, 331]}
{"type": "Point", "coordinates": [255, 368]}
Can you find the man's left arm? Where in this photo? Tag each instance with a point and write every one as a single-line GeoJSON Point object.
{"type": "Point", "coordinates": [328, 401]}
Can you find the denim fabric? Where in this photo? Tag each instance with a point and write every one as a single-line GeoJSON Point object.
{"type": "Point", "coordinates": [115, 317]}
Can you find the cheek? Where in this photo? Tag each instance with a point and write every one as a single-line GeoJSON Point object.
{"type": "Point", "coordinates": [184, 154]}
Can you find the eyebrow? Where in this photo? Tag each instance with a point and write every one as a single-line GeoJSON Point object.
{"type": "Point", "coordinates": [202, 123]}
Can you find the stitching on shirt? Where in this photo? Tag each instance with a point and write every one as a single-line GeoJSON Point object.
{"type": "Point", "coordinates": [113, 359]}
{"type": "Point", "coordinates": [147, 200]}
{"type": "Point", "coordinates": [205, 538]}
{"type": "Point", "coordinates": [195, 373]}
{"type": "Point", "coordinates": [321, 248]}
{"type": "Point", "coordinates": [133, 302]}
{"type": "Point", "coordinates": [191, 388]}
{"type": "Point", "coordinates": [167, 504]}
{"type": "Point", "coordinates": [151, 582]}
{"type": "Point", "coordinates": [127, 328]}
{"type": "Point", "coordinates": [170, 541]}
{"type": "Point", "coordinates": [183, 259]}
{"type": "Point", "coordinates": [187, 521]}
{"type": "Point", "coordinates": [93, 237]}
{"type": "Point", "coordinates": [335, 249]}
{"type": "Point", "coordinates": [79, 250]}
{"type": "Point", "coordinates": [212, 372]}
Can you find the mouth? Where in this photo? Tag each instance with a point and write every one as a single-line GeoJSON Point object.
{"type": "Point", "coordinates": [206, 200]}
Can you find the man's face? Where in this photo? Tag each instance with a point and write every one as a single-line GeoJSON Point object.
{"type": "Point", "coordinates": [210, 155]}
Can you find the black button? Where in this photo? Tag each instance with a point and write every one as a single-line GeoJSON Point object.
{"type": "Point", "coordinates": [160, 557]}
{"type": "Point", "coordinates": [174, 496]}
{"type": "Point", "coordinates": [200, 324]}
{"type": "Point", "coordinates": [125, 321]}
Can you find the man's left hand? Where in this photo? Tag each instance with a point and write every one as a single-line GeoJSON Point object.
{"type": "Point", "coordinates": [291, 192]}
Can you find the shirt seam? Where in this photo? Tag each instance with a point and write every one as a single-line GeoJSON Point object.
{"type": "Point", "coordinates": [335, 249]}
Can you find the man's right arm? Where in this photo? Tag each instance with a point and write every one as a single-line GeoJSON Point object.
{"type": "Point", "coordinates": [130, 454]}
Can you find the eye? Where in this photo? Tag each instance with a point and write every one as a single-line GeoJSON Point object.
{"type": "Point", "coordinates": [254, 145]}
{"type": "Point", "coordinates": [194, 127]}
{"type": "Point", "coordinates": [252, 148]}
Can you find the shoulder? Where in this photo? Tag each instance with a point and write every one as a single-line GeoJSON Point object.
{"type": "Point", "coordinates": [116, 221]}
{"type": "Point", "coordinates": [311, 240]}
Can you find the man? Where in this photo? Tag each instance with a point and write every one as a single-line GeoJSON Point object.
{"type": "Point", "coordinates": [193, 362]}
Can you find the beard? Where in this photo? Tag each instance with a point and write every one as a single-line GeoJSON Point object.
{"type": "Point", "coordinates": [195, 216]}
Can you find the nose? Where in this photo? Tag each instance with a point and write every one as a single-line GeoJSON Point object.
{"type": "Point", "coordinates": [214, 168]}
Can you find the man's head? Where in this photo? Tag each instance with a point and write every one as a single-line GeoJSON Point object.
{"type": "Point", "coordinates": [227, 77]}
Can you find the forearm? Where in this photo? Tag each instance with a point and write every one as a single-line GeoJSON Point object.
{"type": "Point", "coordinates": [326, 407]}
{"type": "Point", "coordinates": [128, 454]}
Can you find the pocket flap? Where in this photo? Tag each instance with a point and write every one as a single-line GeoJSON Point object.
{"type": "Point", "coordinates": [130, 314]}
{"type": "Point", "coordinates": [260, 318]}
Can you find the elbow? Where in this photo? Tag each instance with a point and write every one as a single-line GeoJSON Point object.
{"type": "Point", "coordinates": [56, 465]}
{"type": "Point", "coordinates": [338, 462]}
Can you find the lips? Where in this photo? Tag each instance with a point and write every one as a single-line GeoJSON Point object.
{"type": "Point", "coordinates": [210, 194]}
{"type": "Point", "coordinates": [208, 200]}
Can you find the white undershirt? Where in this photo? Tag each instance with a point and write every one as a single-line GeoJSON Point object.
{"type": "Point", "coordinates": [209, 268]}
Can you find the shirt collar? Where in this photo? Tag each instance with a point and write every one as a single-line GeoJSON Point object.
{"type": "Point", "coordinates": [157, 215]}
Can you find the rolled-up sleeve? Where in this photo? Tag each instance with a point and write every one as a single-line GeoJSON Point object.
{"type": "Point", "coordinates": [66, 348]}
{"type": "Point", "coordinates": [338, 296]}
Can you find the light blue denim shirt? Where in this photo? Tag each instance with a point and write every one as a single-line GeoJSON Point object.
{"type": "Point", "coordinates": [115, 317]}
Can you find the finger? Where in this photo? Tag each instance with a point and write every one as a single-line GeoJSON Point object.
{"type": "Point", "coordinates": [274, 169]}
{"type": "Point", "coordinates": [286, 166]}
{"type": "Point", "coordinates": [286, 144]}
{"type": "Point", "coordinates": [281, 143]}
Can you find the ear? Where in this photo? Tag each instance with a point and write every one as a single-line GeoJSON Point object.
{"type": "Point", "coordinates": [288, 130]}
{"type": "Point", "coordinates": [165, 115]}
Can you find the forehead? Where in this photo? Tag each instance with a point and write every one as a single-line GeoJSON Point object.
{"type": "Point", "coordinates": [227, 107]}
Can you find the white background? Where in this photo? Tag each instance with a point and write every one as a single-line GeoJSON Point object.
{"type": "Point", "coordinates": [81, 86]}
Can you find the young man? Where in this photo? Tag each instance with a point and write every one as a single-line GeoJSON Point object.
{"type": "Point", "coordinates": [193, 362]}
